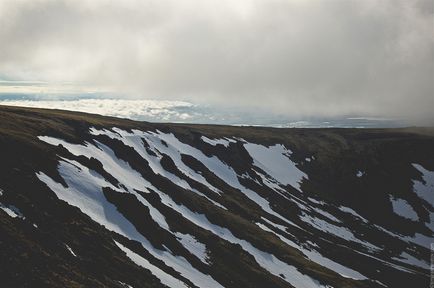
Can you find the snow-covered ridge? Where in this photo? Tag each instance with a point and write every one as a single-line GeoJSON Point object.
{"type": "Point", "coordinates": [271, 169]}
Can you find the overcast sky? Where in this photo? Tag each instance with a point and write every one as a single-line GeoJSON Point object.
{"type": "Point", "coordinates": [301, 57]}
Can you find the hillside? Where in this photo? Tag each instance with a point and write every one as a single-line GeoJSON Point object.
{"type": "Point", "coordinates": [93, 201]}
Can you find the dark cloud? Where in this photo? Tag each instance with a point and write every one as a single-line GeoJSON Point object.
{"type": "Point", "coordinates": [298, 57]}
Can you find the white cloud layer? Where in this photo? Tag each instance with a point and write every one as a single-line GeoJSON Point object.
{"type": "Point", "coordinates": [327, 58]}
{"type": "Point", "coordinates": [154, 110]}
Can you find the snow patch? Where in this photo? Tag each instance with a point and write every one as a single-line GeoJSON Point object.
{"type": "Point", "coordinates": [403, 209]}
{"type": "Point", "coordinates": [425, 189]}
{"type": "Point", "coordinates": [125, 285]}
{"type": "Point", "coordinates": [195, 247]}
{"type": "Point", "coordinates": [352, 212]}
{"type": "Point", "coordinates": [316, 257]}
{"type": "Point", "coordinates": [326, 214]}
{"type": "Point", "coordinates": [12, 211]}
{"type": "Point", "coordinates": [313, 200]}
{"type": "Point", "coordinates": [418, 238]}
{"type": "Point", "coordinates": [274, 160]}
{"type": "Point", "coordinates": [360, 173]}
{"type": "Point", "coordinates": [70, 250]}
{"type": "Point", "coordinates": [409, 259]}
{"type": "Point", "coordinates": [164, 277]}
{"type": "Point", "coordinates": [214, 142]}
{"type": "Point", "coordinates": [341, 232]}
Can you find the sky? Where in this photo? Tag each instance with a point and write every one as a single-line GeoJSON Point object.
{"type": "Point", "coordinates": [302, 58]}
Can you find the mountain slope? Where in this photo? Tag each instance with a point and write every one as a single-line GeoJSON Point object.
{"type": "Point", "coordinates": [92, 201]}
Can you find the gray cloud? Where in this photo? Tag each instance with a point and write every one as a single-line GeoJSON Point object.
{"type": "Point", "coordinates": [297, 57]}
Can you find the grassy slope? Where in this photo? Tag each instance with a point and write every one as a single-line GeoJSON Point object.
{"type": "Point", "coordinates": [339, 151]}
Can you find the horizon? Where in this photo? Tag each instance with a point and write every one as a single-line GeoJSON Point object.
{"type": "Point", "coordinates": [170, 111]}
